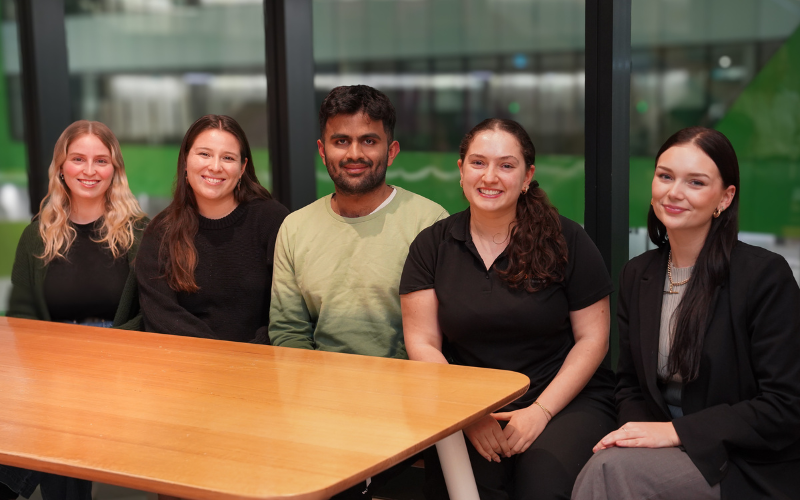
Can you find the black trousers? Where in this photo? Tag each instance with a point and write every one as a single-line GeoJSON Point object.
{"type": "Point", "coordinates": [364, 491]}
{"type": "Point", "coordinates": [547, 469]}
{"type": "Point", "coordinates": [52, 486]}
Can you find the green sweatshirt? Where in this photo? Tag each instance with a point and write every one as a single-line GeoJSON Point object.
{"type": "Point", "coordinates": [335, 284]}
{"type": "Point", "coordinates": [27, 282]}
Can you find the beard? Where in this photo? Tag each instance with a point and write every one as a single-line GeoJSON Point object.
{"type": "Point", "coordinates": [370, 180]}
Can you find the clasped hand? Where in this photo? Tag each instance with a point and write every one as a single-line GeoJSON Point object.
{"type": "Point", "coordinates": [493, 441]}
{"type": "Point", "coordinates": [641, 435]}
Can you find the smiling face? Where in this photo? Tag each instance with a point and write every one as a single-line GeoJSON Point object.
{"type": "Point", "coordinates": [88, 173]}
{"type": "Point", "coordinates": [356, 151]}
{"type": "Point", "coordinates": [214, 166]}
{"type": "Point", "coordinates": [494, 173]}
{"type": "Point", "coordinates": [687, 189]}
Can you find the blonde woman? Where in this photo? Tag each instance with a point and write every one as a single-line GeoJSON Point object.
{"type": "Point", "coordinates": [74, 262]}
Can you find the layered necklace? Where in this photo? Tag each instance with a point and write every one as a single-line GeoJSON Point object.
{"type": "Point", "coordinates": [669, 275]}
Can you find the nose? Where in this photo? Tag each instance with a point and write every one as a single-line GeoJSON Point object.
{"type": "Point", "coordinates": [214, 164]}
{"type": "Point", "coordinates": [354, 151]}
{"type": "Point", "coordinates": [676, 191]}
{"type": "Point", "coordinates": [490, 175]}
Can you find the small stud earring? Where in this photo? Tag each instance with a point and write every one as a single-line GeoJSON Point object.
{"type": "Point", "coordinates": [524, 189]}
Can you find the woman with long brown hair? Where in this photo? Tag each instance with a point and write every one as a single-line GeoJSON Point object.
{"type": "Point", "coordinates": [74, 262]}
{"type": "Point", "coordinates": [511, 284]}
{"type": "Point", "coordinates": [708, 382]}
{"type": "Point", "coordinates": [205, 267]}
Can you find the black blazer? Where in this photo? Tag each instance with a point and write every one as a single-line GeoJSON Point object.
{"type": "Point", "coordinates": [741, 423]}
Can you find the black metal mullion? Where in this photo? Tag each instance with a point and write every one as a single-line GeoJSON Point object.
{"type": "Point", "coordinates": [290, 100]}
{"type": "Point", "coordinates": [608, 76]}
{"type": "Point", "coordinates": [45, 86]}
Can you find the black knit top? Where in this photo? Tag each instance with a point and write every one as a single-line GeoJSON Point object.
{"type": "Point", "coordinates": [234, 273]}
{"type": "Point", "coordinates": [88, 283]}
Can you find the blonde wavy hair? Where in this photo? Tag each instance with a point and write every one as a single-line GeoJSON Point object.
{"type": "Point", "coordinates": [122, 211]}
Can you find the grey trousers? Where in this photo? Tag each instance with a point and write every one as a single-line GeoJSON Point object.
{"type": "Point", "coordinates": [642, 473]}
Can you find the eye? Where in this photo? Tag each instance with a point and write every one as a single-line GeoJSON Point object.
{"type": "Point", "coordinates": [340, 141]}
{"type": "Point", "coordinates": [477, 163]}
{"type": "Point", "coordinates": [369, 142]}
{"type": "Point", "coordinates": [697, 183]}
{"type": "Point", "coordinates": [203, 154]}
{"type": "Point", "coordinates": [229, 158]}
{"type": "Point", "coordinates": [102, 161]}
{"type": "Point", "coordinates": [506, 165]}
{"type": "Point", "coordinates": [77, 159]}
{"type": "Point", "coordinates": [665, 177]}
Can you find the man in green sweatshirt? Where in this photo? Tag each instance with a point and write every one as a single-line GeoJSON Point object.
{"type": "Point", "coordinates": [338, 260]}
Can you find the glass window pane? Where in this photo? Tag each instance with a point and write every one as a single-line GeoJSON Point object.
{"type": "Point", "coordinates": [14, 202]}
{"type": "Point", "coordinates": [449, 64]}
{"type": "Point", "coordinates": [159, 66]}
{"type": "Point", "coordinates": [729, 65]}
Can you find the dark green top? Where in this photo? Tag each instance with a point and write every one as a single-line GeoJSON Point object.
{"type": "Point", "coordinates": [28, 274]}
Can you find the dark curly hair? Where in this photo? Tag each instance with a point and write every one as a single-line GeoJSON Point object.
{"type": "Point", "coordinates": [353, 99]}
{"type": "Point", "coordinates": [537, 251]}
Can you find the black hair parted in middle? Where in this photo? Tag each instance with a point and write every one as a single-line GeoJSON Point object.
{"type": "Point", "coordinates": [353, 99]}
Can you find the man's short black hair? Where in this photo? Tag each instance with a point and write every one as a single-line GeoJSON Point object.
{"type": "Point", "coordinates": [350, 100]}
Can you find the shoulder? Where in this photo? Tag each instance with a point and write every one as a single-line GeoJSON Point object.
{"type": "Point", "coordinates": [419, 204]}
{"type": "Point", "coordinates": [312, 211]}
{"type": "Point", "coordinates": [30, 241]}
{"type": "Point", "coordinates": [571, 229]}
{"type": "Point", "coordinates": [271, 207]}
{"type": "Point", "coordinates": [441, 230]}
{"type": "Point", "coordinates": [755, 264]}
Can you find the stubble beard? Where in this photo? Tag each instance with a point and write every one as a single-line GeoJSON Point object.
{"type": "Point", "coordinates": [369, 181]}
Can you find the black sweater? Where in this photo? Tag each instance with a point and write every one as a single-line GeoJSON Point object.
{"type": "Point", "coordinates": [234, 273]}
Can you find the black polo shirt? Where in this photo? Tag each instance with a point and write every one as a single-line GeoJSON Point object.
{"type": "Point", "coordinates": [487, 324]}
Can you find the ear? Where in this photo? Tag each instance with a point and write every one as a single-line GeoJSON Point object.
{"type": "Point", "coordinates": [394, 150]}
{"type": "Point", "coordinates": [244, 165]}
{"type": "Point", "coordinates": [727, 197]}
{"type": "Point", "coordinates": [321, 149]}
{"type": "Point", "coordinates": [460, 164]}
{"type": "Point", "coordinates": [529, 175]}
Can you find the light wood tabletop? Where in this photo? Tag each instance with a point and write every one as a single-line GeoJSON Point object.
{"type": "Point", "coordinates": [207, 419]}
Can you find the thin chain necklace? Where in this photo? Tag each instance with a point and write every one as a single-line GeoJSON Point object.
{"type": "Point", "coordinates": [669, 275]}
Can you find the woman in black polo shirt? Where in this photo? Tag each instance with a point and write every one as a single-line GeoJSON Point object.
{"type": "Point", "coordinates": [510, 284]}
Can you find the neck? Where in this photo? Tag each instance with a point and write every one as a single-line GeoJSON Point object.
{"type": "Point", "coordinates": [492, 225]}
{"type": "Point", "coordinates": [86, 211]}
{"type": "Point", "coordinates": [359, 205]}
{"type": "Point", "coordinates": [686, 246]}
{"type": "Point", "coordinates": [216, 209]}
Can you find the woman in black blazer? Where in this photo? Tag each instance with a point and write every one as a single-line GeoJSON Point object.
{"type": "Point", "coordinates": [708, 382]}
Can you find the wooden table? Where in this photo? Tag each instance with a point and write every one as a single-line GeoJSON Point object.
{"type": "Point", "coordinates": [208, 419]}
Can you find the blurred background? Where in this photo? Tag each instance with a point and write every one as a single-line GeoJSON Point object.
{"type": "Point", "coordinates": [149, 68]}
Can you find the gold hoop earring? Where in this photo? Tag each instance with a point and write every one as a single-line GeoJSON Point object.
{"type": "Point", "coordinates": [461, 183]}
{"type": "Point", "coordinates": [651, 202]}
{"type": "Point", "coordinates": [717, 212]}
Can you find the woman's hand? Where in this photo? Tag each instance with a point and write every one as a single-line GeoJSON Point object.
{"type": "Point", "coordinates": [641, 435]}
{"type": "Point", "coordinates": [488, 438]}
{"type": "Point", "coordinates": [523, 427]}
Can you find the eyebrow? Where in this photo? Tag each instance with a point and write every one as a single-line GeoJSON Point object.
{"type": "Point", "coordinates": [478, 155]}
{"type": "Point", "coordinates": [232, 153]}
{"type": "Point", "coordinates": [371, 135]}
{"type": "Point", "coordinates": [84, 154]}
{"type": "Point", "coordinates": [691, 174]}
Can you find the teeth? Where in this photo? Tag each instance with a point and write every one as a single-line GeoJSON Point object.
{"type": "Point", "coordinates": [489, 191]}
{"type": "Point", "coordinates": [88, 183]}
{"type": "Point", "coordinates": [212, 180]}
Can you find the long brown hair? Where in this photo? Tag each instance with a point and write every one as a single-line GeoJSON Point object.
{"type": "Point", "coordinates": [121, 212]}
{"type": "Point", "coordinates": [712, 266]}
{"type": "Point", "coordinates": [537, 251]}
{"type": "Point", "coordinates": [179, 221]}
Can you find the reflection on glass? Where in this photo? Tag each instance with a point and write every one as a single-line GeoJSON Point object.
{"type": "Point", "coordinates": [730, 66]}
{"type": "Point", "coordinates": [14, 204]}
{"type": "Point", "coordinates": [446, 65]}
{"type": "Point", "coordinates": [160, 65]}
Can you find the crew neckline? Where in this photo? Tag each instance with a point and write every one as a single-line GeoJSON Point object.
{"type": "Point", "coordinates": [225, 222]}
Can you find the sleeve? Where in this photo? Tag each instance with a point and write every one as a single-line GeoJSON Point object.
{"type": "Point", "coordinates": [161, 311]}
{"type": "Point", "coordinates": [22, 301]}
{"type": "Point", "coordinates": [769, 422]}
{"type": "Point", "coordinates": [587, 279]}
{"type": "Point", "coordinates": [290, 323]}
{"type": "Point", "coordinates": [419, 271]}
{"type": "Point", "coordinates": [631, 405]}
